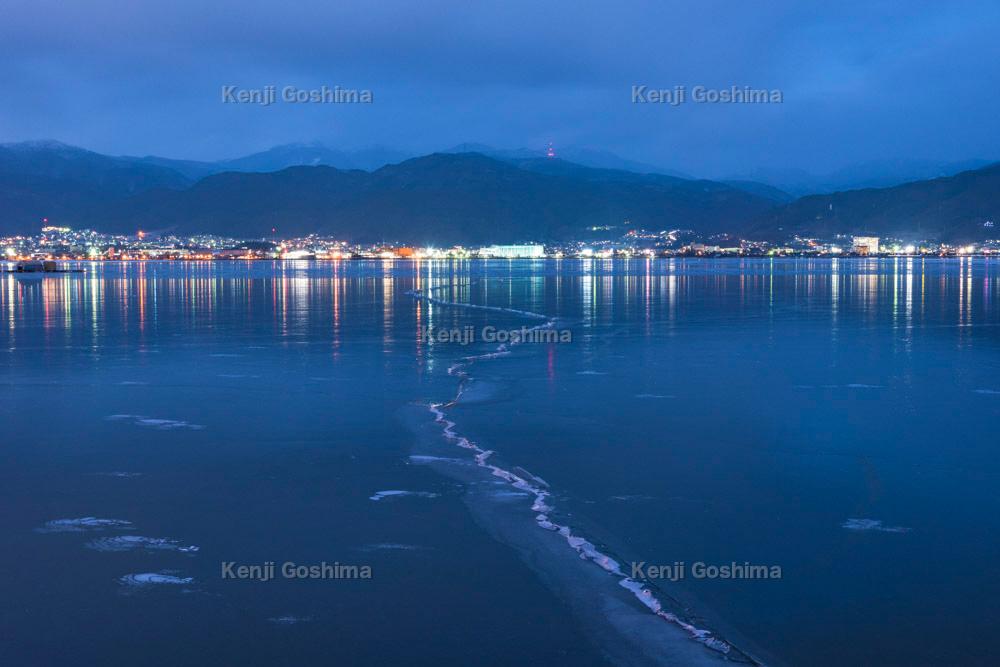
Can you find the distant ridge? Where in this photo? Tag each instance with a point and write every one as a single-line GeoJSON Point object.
{"type": "Point", "coordinates": [450, 198]}
{"type": "Point", "coordinates": [458, 198]}
{"type": "Point", "coordinates": [39, 161]}
{"type": "Point", "coordinates": [871, 174]}
{"type": "Point", "coordinates": [587, 157]}
{"type": "Point", "coordinates": [310, 154]}
{"type": "Point", "coordinates": [314, 154]}
{"type": "Point", "coordinates": [955, 208]}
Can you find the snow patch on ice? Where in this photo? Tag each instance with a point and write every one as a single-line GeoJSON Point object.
{"type": "Point", "coordinates": [138, 542]}
{"type": "Point", "coordinates": [289, 620]}
{"type": "Point", "coordinates": [396, 493]}
{"type": "Point", "coordinates": [873, 525]}
{"type": "Point", "coordinates": [392, 546]}
{"type": "Point", "coordinates": [83, 524]}
{"type": "Point", "coordinates": [159, 424]}
{"type": "Point", "coordinates": [148, 579]}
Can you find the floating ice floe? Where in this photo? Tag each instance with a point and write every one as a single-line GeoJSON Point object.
{"type": "Point", "coordinates": [289, 620]}
{"type": "Point", "coordinates": [852, 385]}
{"type": "Point", "coordinates": [395, 493]}
{"type": "Point", "coordinates": [590, 373]}
{"type": "Point", "coordinates": [987, 392]}
{"type": "Point", "coordinates": [501, 351]}
{"type": "Point", "coordinates": [119, 473]}
{"type": "Point", "coordinates": [147, 579]}
{"type": "Point", "coordinates": [872, 525]}
{"type": "Point", "coordinates": [391, 546]}
{"type": "Point", "coordinates": [511, 494]}
{"type": "Point", "coordinates": [132, 383]}
{"type": "Point", "coordinates": [138, 542]}
{"type": "Point", "coordinates": [83, 524]}
{"type": "Point", "coordinates": [160, 424]}
{"type": "Point", "coordinates": [422, 458]}
{"type": "Point", "coordinates": [653, 396]}
{"type": "Point", "coordinates": [530, 476]}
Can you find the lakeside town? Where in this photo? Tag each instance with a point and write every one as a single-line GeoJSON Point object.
{"type": "Point", "coordinates": [64, 243]}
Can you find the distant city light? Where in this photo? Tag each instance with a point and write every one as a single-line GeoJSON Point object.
{"type": "Point", "coordinates": [64, 243]}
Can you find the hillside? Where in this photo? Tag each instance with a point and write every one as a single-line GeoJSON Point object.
{"type": "Point", "coordinates": [955, 208]}
{"type": "Point", "coordinates": [460, 198]}
{"type": "Point", "coordinates": [437, 198]}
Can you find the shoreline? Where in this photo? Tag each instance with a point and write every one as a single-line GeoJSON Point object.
{"type": "Point", "coordinates": [638, 257]}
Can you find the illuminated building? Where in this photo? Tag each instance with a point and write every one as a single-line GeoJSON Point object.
{"type": "Point", "coordinates": [866, 245]}
{"type": "Point", "coordinates": [513, 251]}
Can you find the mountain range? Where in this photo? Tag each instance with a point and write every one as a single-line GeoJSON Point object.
{"type": "Point", "coordinates": [455, 197]}
{"type": "Point", "coordinates": [311, 154]}
{"type": "Point", "coordinates": [459, 196]}
{"type": "Point", "coordinates": [963, 207]}
{"type": "Point", "coordinates": [871, 174]}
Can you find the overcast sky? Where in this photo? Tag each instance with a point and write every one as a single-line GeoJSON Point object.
{"type": "Point", "coordinates": [859, 80]}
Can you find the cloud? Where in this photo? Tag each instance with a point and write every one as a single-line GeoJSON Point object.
{"type": "Point", "coordinates": [861, 81]}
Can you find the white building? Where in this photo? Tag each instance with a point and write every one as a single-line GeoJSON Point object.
{"type": "Point", "coordinates": [513, 251]}
{"type": "Point", "coordinates": [866, 245]}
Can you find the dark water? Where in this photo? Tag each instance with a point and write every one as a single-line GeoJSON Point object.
{"type": "Point", "coordinates": [704, 411]}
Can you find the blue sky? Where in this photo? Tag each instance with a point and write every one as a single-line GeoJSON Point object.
{"type": "Point", "coordinates": [859, 80]}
